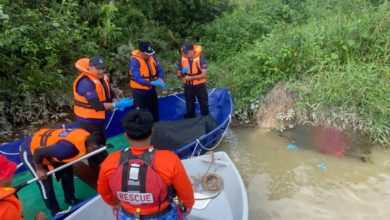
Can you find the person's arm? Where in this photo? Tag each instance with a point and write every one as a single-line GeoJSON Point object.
{"type": "Point", "coordinates": [86, 88]}
{"type": "Point", "coordinates": [116, 93]}
{"type": "Point", "coordinates": [62, 150]}
{"type": "Point", "coordinates": [135, 71]}
{"type": "Point", "coordinates": [182, 185]}
{"type": "Point", "coordinates": [100, 106]}
{"type": "Point", "coordinates": [203, 75]}
{"type": "Point", "coordinates": [106, 170]}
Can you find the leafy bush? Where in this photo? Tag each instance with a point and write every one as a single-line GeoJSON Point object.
{"type": "Point", "coordinates": [182, 16]}
{"type": "Point", "coordinates": [237, 31]}
{"type": "Point", "coordinates": [250, 58]}
{"type": "Point", "coordinates": [41, 40]}
{"type": "Point", "coordinates": [291, 50]}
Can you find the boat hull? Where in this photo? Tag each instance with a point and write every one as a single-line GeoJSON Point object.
{"type": "Point", "coordinates": [172, 107]}
{"type": "Point", "coordinates": [231, 203]}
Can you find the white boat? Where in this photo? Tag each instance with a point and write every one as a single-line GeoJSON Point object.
{"type": "Point", "coordinates": [230, 203]}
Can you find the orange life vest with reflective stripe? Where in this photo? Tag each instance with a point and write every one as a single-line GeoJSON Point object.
{"type": "Point", "coordinates": [81, 106]}
{"type": "Point", "coordinates": [46, 137]}
{"type": "Point", "coordinates": [136, 183]}
{"type": "Point", "coordinates": [195, 68]}
{"type": "Point", "coordinates": [9, 199]}
{"type": "Point", "coordinates": [144, 71]}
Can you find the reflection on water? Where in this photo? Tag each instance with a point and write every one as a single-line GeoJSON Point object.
{"type": "Point", "coordinates": [330, 141]}
{"type": "Point", "coordinates": [287, 184]}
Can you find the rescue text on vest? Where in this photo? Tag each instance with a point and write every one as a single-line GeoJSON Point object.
{"type": "Point", "coordinates": [135, 197]}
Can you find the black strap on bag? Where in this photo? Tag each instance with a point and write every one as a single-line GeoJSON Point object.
{"type": "Point", "coordinates": [125, 156]}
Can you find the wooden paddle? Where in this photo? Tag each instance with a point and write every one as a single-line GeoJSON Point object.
{"type": "Point", "coordinates": [12, 190]}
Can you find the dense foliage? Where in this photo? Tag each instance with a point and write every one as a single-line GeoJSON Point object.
{"type": "Point", "coordinates": [41, 40]}
{"type": "Point", "coordinates": [335, 54]}
{"type": "Point", "coordinates": [336, 51]}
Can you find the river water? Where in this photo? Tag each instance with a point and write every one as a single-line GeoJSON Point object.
{"type": "Point", "coordinates": [286, 183]}
{"type": "Point", "coordinates": [304, 183]}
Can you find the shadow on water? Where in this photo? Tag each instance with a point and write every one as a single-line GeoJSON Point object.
{"type": "Point", "coordinates": [323, 178]}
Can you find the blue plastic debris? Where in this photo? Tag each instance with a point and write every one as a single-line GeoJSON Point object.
{"type": "Point", "coordinates": [292, 146]}
{"type": "Point", "coordinates": [322, 166]}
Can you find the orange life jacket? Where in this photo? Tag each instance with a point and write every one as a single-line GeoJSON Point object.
{"type": "Point", "coordinates": [144, 71]}
{"type": "Point", "coordinates": [46, 137]}
{"type": "Point", "coordinates": [195, 68]}
{"type": "Point", "coordinates": [81, 106]}
{"type": "Point", "coordinates": [136, 184]}
{"type": "Point", "coordinates": [9, 199]}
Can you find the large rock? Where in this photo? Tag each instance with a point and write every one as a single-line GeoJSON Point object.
{"type": "Point", "coordinates": [277, 108]}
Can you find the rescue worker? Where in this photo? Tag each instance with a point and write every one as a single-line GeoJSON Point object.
{"type": "Point", "coordinates": [192, 69]}
{"type": "Point", "coordinates": [50, 148]}
{"type": "Point", "coordinates": [146, 73]}
{"type": "Point", "coordinates": [136, 181]}
{"type": "Point", "coordinates": [10, 206]}
{"type": "Point", "coordinates": [93, 97]}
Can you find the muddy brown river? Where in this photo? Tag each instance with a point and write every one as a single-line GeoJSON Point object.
{"type": "Point", "coordinates": [304, 183]}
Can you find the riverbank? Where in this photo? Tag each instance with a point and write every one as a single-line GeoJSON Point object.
{"type": "Point", "coordinates": [334, 57]}
{"type": "Point", "coordinates": [290, 104]}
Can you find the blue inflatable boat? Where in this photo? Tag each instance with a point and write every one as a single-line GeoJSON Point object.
{"type": "Point", "coordinates": [172, 108]}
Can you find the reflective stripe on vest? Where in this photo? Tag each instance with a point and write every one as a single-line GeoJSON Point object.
{"type": "Point", "coordinates": [81, 106]}
{"type": "Point", "coordinates": [144, 71]}
{"type": "Point", "coordinates": [47, 137]}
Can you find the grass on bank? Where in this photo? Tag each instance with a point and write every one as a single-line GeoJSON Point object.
{"type": "Point", "coordinates": [342, 48]}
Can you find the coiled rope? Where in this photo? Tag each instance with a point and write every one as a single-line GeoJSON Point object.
{"type": "Point", "coordinates": [210, 182]}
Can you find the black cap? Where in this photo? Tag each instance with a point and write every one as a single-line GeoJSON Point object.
{"type": "Point", "coordinates": [145, 48]}
{"type": "Point", "coordinates": [187, 46]}
{"type": "Point", "coordinates": [97, 62]}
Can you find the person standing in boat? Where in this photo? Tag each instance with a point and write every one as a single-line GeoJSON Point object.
{"type": "Point", "coordinates": [192, 69]}
{"type": "Point", "coordinates": [93, 97]}
{"type": "Point", "coordinates": [138, 182]}
{"type": "Point", "coordinates": [10, 206]}
{"type": "Point", "coordinates": [146, 74]}
{"type": "Point", "coordinates": [50, 148]}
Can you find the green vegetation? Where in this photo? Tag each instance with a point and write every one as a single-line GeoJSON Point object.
{"type": "Point", "coordinates": [41, 40]}
{"type": "Point", "coordinates": [334, 54]}
{"type": "Point", "coordinates": [354, 95]}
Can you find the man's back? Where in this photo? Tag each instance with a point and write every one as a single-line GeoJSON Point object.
{"type": "Point", "coordinates": [166, 164]}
